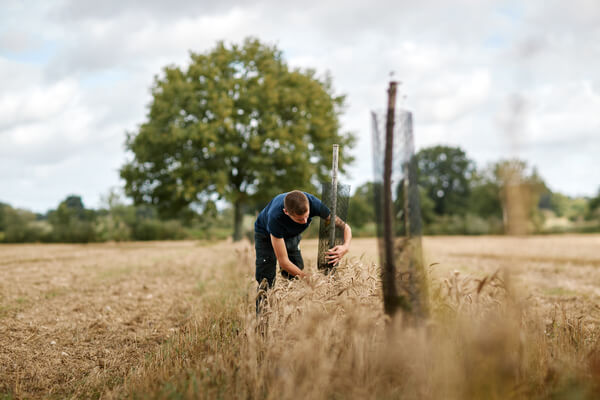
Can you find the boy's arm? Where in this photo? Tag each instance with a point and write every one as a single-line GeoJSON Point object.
{"type": "Point", "coordinates": [335, 254]}
{"type": "Point", "coordinates": [282, 257]}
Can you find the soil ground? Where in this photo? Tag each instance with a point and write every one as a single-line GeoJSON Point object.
{"type": "Point", "coordinates": [76, 320]}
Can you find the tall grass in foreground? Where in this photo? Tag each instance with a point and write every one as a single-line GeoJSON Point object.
{"type": "Point", "coordinates": [329, 339]}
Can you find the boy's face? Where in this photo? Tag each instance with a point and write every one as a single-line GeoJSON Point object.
{"type": "Point", "coordinates": [299, 219]}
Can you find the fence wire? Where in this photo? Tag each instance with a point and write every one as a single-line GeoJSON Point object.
{"type": "Point", "coordinates": [404, 174]}
{"type": "Point", "coordinates": [342, 203]}
{"type": "Point", "coordinates": [406, 223]}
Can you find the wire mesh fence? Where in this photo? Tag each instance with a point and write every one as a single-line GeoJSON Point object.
{"type": "Point", "coordinates": [406, 209]}
{"type": "Point", "coordinates": [342, 203]}
{"type": "Point", "coordinates": [398, 212]}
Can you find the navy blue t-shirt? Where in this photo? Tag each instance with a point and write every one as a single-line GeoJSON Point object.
{"type": "Point", "coordinates": [272, 220]}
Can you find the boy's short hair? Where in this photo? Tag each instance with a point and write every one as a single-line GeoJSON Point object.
{"type": "Point", "coordinates": [296, 202]}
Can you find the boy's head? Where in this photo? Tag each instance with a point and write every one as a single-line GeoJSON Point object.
{"type": "Point", "coordinates": [295, 205]}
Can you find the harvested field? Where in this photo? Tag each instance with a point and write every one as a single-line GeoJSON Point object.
{"type": "Point", "coordinates": [176, 320]}
{"type": "Point", "coordinates": [76, 318]}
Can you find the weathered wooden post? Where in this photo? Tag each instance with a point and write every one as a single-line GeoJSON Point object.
{"type": "Point", "coordinates": [402, 273]}
{"type": "Point", "coordinates": [334, 171]}
{"type": "Point", "coordinates": [391, 300]}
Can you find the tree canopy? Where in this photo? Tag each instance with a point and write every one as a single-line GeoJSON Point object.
{"type": "Point", "coordinates": [595, 202]}
{"type": "Point", "coordinates": [238, 124]}
{"type": "Point", "coordinates": [72, 222]}
{"type": "Point", "coordinates": [444, 174]}
{"type": "Point", "coordinates": [361, 210]}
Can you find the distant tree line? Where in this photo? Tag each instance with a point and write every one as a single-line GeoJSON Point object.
{"type": "Point", "coordinates": [507, 196]}
{"type": "Point", "coordinates": [455, 196]}
{"type": "Point", "coordinates": [71, 222]}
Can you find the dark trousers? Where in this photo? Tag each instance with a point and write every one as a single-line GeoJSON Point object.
{"type": "Point", "coordinates": [266, 260]}
{"type": "Point", "coordinates": [266, 263]}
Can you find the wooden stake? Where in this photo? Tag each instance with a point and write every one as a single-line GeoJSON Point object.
{"type": "Point", "coordinates": [334, 171]}
{"type": "Point", "coordinates": [389, 281]}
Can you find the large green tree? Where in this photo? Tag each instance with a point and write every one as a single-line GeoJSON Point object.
{"type": "Point", "coordinates": [362, 206]}
{"type": "Point", "coordinates": [237, 123]}
{"type": "Point", "coordinates": [484, 199]}
{"type": "Point", "coordinates": [444, 174]}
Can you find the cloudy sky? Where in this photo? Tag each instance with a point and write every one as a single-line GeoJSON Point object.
{"type": "Point", "coordinates": [498, 78]}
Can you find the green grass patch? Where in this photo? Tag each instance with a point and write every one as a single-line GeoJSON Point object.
{"type": "Point", "coordinates": [560, 292]}
{"type": "Point", "coordinates": [55, 292]}
{"type": "Point", "coordinates": [198, 366]}
{"type": "Point", "coordinates": [200, 288]}
{"type": "Point", "coordinates": [12, 307]}
{"type": "Point", "coordinates": [114, 273]}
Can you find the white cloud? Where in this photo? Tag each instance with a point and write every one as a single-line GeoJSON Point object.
{"type": "Point", "coordinates": [35, 103]}
{"type": "Point", "coordinates": [453, 96]}
{"type": "Point", "coordinates": [16, 41]}
{"type": "Point", "coordinates": [566, 113]}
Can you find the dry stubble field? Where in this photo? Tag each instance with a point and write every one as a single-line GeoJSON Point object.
{"type": "Point", "coordinates": [176, 320]}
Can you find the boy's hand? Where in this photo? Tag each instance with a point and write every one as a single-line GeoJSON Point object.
{"type": "Point", "coordinates": [335, 254]}
{"type": "Point", "coordinates": [305, 276]}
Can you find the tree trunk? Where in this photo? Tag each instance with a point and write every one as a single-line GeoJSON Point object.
{"type": "Point", "coordinates": [238, 217]}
